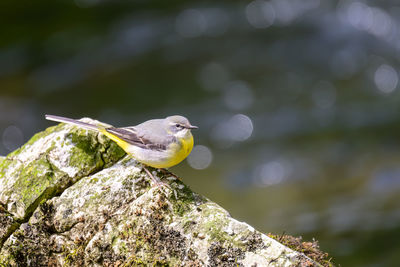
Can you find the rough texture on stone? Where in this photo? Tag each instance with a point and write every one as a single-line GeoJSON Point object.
{"type": "Point", "coordinates": [72, 197]}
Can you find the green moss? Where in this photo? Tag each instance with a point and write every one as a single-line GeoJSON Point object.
{"type": "Point", "coordinates": [123, 249]}
{"type": "Point", "coordinates": [213, 222]}
{"type": "Point", "coordinates": [39, 180]}
{"type": "Point", "coordinates": [13, 257]}
{"type": "Point", "coordinates": [39, 135]}
{"type": "Point", "coordinates": [72, 257]}
{"type": "Point", "coordinates": [134, 261]}
{"type": "Point", "coordinates": [33, 180]}
{"type": "Point", "coordinates": [213, 228]}
{"type": "Point", "coordinates": [184, 203]}
{"type": "Point", "coordinates": [4, 164]}
{"type": "Point", "coordinates": [85, 150]}
{"type": "Point", "coordinates": [113, 153]}
{"type": "Point", "coordinates": [3, 261]}
{"type": "Point", "coordinates": [181, 207]}
{"type": "Point", "coordinates": [88, 151]}
{"type": "Point", "coordinates": [163, 263]}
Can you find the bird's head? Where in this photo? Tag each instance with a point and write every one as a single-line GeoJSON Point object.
{"type": "Point", "coordinates": [179, 125]}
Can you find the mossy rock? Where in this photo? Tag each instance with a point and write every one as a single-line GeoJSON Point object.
{"type": "Point", "coordinates": [71, 197]}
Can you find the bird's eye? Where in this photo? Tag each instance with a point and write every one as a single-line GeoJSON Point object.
{"type": "Point", "coordinates": [177, 125]}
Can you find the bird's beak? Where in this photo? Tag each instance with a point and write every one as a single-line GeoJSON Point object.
{"type": "Point", "coordinates": [192, 127]}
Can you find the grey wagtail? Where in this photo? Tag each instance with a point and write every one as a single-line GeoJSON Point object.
{"type": "Point", "coordinates": [159, 143]}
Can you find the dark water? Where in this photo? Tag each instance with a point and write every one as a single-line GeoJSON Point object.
{"type": "Point", "coordinates": [297, 102]}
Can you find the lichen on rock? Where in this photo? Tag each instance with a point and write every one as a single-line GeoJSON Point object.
{"type": "Point", "coordinates": [72, 197]}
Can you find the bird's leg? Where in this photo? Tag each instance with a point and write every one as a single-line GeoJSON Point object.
{"type": "Point", "coordinates": [155, 180]}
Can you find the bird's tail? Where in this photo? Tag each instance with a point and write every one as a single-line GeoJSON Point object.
{"type": "Point", "coordinates": [74, 122]}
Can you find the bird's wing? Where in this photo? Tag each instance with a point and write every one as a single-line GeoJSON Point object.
{"type": "Point", "coordinates": [143, 139]}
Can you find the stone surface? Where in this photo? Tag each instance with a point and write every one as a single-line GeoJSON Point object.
{"type": "Point", "coordinates": [72, 197]}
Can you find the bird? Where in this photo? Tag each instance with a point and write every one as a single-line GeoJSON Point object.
{"type": "Point", "coordinates": [158, 143]}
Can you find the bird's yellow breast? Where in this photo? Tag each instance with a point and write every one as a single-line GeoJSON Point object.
{"type": "Point", "coordinates": [179, 151]}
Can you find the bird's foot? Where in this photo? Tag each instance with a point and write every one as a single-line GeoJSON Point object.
{"type": "Point", "coordinates": [156, 181]}
{"type": "Point", "coordinates": [167, 172]}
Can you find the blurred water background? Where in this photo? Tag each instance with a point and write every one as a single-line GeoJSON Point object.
{"type": "Point", "coordinates": [297, 101]}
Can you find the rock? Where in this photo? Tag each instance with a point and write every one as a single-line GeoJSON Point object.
{"type": "Point", "coordinates": [73, 197]}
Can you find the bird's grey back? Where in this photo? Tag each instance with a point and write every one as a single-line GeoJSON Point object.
{"type": "Point", "coordinates": [154, 130]}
